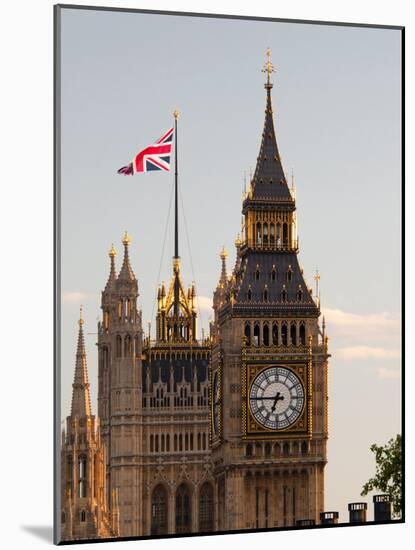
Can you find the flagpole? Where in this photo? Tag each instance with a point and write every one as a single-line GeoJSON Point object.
{"type": "Point", "coordinates": [176, 259]}
{"type": "Point", "coordinates": [176, 216]}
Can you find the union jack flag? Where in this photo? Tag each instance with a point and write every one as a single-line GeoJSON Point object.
{"type": "Point", "coordinates": [154, 157]}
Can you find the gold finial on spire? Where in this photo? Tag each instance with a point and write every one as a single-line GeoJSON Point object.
{"type": "Point", "coordinates": [317, 279]}
{"type": "Point", "coordinates": [81, 317]}
{"type": "Point", "coordinates": [126, 240]}
{"type": "Point", "coordinates": [268, 68]}
{"type": "Point", "coordinates": [176, 114]}
{"type": "Point", "coordinates": [223, 252]}
{"type": "Point", "coordinates": [112, 253]}
{"type": "Point", "coordinates": [238, 241]}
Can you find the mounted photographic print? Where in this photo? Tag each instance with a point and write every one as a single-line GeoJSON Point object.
{"type": "Point", "coordinates": [228, 208]}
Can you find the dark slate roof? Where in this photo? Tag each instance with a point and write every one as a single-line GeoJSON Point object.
{"type": "Point", "coordinates": [269, 180]}
{"type": "Point", "coordinates": [246, 280]}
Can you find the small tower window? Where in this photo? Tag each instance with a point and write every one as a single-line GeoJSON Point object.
{"type": "Point", "coordinates": [265, 233]}
{"type": "Point", "coordinates": [258, 233]}
{"type": "Point", "coordinates": [249, 295]}
{"type": "Point", "coordinates": [120, 309]}
{"type": "Point", "coordinates": [284, 334]}
{"type": "Point", "coordinates": [257, 274]}
{"type": "Point", "coordinates": [69, 473]}
{"type": "Point", "coordinates": [293, 334]}
{"type": "Point", "coordinates": [302, 334]}
{"type": "Point", "coordinates": [248, 451]}
{"type": "Point", "coordinates": [83, 516]}
{"type": "Point", "coordinates": [273, 273]}
{"type": "Point", "coordinates": [283, 295]}
{"type": "Point", "coordinates": [106, 320]}
{"type": "Point", "coordinates": [256, 334]}
{"type": "Point", "coordinates": [118, 346]}
{"type": "Point", "coordinates": [248, 333]}
{"type": "Point", "coordinates": [266, 295]}
{"type": "Point", "coordinates": [82, 476]}
{"type": "Point", "coordinates": [127, 346]}
{"type": "Point", "coordinates": [275, 334]}
{"type": "Point", "coordinates": [265, 334]}
{"type": "Point", "coordinates": [271, 233]}
{"type": "Point", "coordinates": [285, 233]}
{"type": "Point", "coordinates": [289, 274]}
{"type": "Point", "coordinates": [300, 294]}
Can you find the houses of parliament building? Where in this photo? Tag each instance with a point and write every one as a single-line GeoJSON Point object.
{"type": "Point", "coordinates": [220, 434]}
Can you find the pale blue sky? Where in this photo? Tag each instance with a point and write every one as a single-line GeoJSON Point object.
{"type": "Point", "coordinates": [337, 108]}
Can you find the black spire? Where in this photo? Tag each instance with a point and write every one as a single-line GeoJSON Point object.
{"type": "Point", "coordinates": [269, 180]}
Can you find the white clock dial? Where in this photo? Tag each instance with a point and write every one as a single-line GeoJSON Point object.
{"type": "Point", "coordinates": [276, 398]}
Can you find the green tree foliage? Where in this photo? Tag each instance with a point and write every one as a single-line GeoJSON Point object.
{"type": "Point", "coordinates": [388, 478]}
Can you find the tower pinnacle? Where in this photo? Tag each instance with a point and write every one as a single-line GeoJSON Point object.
{"type": "Point", "coordinates": [126, 272]}
{"type": "Point", "coordinates": [113, 275]}
{"type": "Point", "coordinates": [81, 399]}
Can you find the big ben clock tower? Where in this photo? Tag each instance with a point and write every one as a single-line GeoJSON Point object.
{"type": "Point", "coordinates": [269, 364]}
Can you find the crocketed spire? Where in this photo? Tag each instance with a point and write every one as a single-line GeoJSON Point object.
{"type": "Point", "coordinates": [223, 275]}
{"type": "Point", "coordinates": [81, 398]}
{"type": "Point", "coordinates": [269, 180]}
{"type": "Point", "coordinates": [126, 272]}
{"type": "Point", "coordinates": [113, 274]}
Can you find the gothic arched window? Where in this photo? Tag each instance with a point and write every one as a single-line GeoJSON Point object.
{"type": "Point", "coordinates": [249, 295]}
{"type": "Point", "coordinates": [82, 476]}
{"type": "Point", "coordinates": [285, 233]}
{"type": "Point", "coordinates": [256, 334]}
{"type": "Point", "coordinates": [118, 346]}
{"type": "Point", "coordinates": [127, 346]}
{"type": "Point", "coordinates": [183, 510]}
{"type": "Point", "coordinates": [284, 334]}
{"type": "Point", "coordinates": [293, 334]}
{"type": "Point", "coordinates": [249, 450]}
{"type": "Point", "coordinates": [159, 511]}
{"type": "Point", "coordinates": [258, 234]}
{"type": "Point", "coordinates": [302, 334]}
{"type": "Point", "coordinates": [206, 507]}
{"type": "Point", "coordinates": [271, 233]}
{"type": "Point", "coordinates": [275, 334]}
{"type": "Point", "coordinates": [106, 319]}
{"type": "Point", "coordinates": [289, 274]}
{"type": "Point", "coordinates": [273, 274]}
{"type": "Point", "coordinates": [265, 233]}
{"type": "Point", "coordinates": [248, 333]}
{"type": "Point", "coordinates": [69, 474]}
{"type": "Point", "coordinates": [283, 295]}
{"type": "Point", "coordinates": [82, 516]}
{"type": "Point", "coordinates": [265, 334]}
{"type": "Point", "coordinates": [266, 295]}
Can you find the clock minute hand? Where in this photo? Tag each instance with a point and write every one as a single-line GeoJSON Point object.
{"type": "Point", "coordinates": [277, 398]}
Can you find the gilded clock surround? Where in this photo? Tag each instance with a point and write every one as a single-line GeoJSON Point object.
{"type": "Point", "coordinates": [301, 426]}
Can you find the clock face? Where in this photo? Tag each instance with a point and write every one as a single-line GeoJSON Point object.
{"type": "Point", "coordinates": [276, 398]}
{"type": "Point", "coordinates": [215, 404]}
